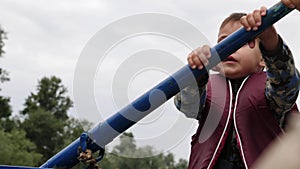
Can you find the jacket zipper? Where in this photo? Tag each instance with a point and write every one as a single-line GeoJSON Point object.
{"type": "Point", "coordinates": [226, 126]}
{"type": "Point", "coordinates": [227, 121]}
{"type": "Point", "coordinates": [235, 125]}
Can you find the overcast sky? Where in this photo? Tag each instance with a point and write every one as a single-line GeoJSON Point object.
{"type": "Point", "coordinates": [47, 37]}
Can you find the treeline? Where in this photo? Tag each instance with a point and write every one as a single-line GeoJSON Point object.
{"type": "Point", "coordinates": [43, 128]}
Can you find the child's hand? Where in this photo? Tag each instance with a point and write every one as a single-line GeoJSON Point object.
{"type": "Point", "coordinates": [253, 20]}
{"type": "Point", "coordinates": [269, 37]}
{"type": "Point", "coordinates": [292, 3]}
{"type": "Point", "coordinates": [198, 58]}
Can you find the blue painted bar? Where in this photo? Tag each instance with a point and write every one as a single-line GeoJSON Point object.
{"type": "Point", "coordinates": [67, 157]}
{"type": "Point", "coordinates": [105, 132]}
{"type": "Point", "coordinates": [18, 167]}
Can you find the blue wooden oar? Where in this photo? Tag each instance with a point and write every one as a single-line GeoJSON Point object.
{"type": "Point", "coordinates": [105, 132]}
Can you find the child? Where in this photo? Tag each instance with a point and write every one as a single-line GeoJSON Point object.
{"type": "Point", "coordinates": [254, 109]}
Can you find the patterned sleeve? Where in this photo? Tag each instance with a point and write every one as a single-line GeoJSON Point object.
{"type": "Point", "coordinates": [191, 99]}
{"type": "Point", "coordinates": [282, 85]}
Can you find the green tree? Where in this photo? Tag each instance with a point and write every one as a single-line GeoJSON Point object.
{"type": "Point", "coordinates": [127, 145]}
{"type": "Point", "coordinates": [50, 96]}
{"type": "Point", "coordinates": [182, 164]}
{"type": "Point", "coordinates": [45, 116]}
{"type": "Point", "coordinates": [5, 114]}
{"type": "Point", "coordinates": [5, 109]}
{"type": "Point", "coordinates": [2, 37]}
{"type": "Point", "coordinates": [45, 131]}
{"type": "Point", "coordinates": [3, 73]}
{"type": "Point", "coordinates": [74, 128]}
{"type": "Point", "coordinates": [16, 149]}
{"type": "Point", "coordinates": [128, 148]}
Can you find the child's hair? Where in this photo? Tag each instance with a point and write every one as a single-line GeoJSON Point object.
{"type": "Point", "coordinates": [233, 17]}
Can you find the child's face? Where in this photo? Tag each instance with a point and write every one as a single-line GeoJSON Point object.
{"type": "Point", "coordinates": [244, 61]}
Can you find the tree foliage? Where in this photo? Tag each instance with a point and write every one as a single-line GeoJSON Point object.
{"type": "Point", "coordinates": [46, 116]}
{"type": "Point", "coordinates": [2, 37]}
{"type": "Point", "coordinates": [3, 76]}
{"type": "Point", "coordinates": [3, 73]}
{"type": "Point", "coordinates": [73, 129]}
{"type": "Point", "coordinates": [50, 96]}
{"type": "Point", "coordinates": [5, 109]}
{"type": "Point", "coordinates": [45, 131]}
{"type": "Point", "coordinates": [128, 147]}
{"type": "Point", "coordinates": [6, 123]}
{"type": "Point", "coordinates": [16, 149]}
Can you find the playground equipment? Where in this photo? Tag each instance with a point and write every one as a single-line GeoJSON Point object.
{"type": "Point", "coordinates": [105, 132]}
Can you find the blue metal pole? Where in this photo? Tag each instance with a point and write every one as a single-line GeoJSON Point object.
{"type": "Point", "coordinates": [105, 132]}
{"type": "Point", "coordinates": [18, 167]}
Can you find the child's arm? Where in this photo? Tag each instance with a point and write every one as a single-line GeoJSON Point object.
{"type": "Point", "coordinates": [191, 99]}
{"type": "Point", "coordinates": [282, 85]}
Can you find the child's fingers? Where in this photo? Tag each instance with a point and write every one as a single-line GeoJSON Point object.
{"type": "Point", "coordinates": [194, 60]}
{"type": "Point", "coordinates": [251, 20]}
{"type": "Point", "coordinates": [263, 11]}
{"type": "Point", "coordinates": [254, 19]}
{"type": "Point", "coordinates": [191, 61]}
{"type": "Point", "coordinates": [245, 23]}
{"type": "Point", "coordinates": [288, 3]}
{"type": "Point", "coordinates": [199, 57]}
{"type": "Point", "coordinates": [206, 55]}
{"type": "Point", "coordinates": [197, 61]}
{"type": "Point", "coordinates": [257, 19]}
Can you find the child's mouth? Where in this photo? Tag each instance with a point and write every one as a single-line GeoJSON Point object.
{"type": "Point", "coordinates": [229, 59]}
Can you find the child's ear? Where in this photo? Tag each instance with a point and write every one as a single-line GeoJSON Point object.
{"type": "Point", "coordinates": [262, 62]}
{"type": "Point", "coordinates": [251, 43]}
